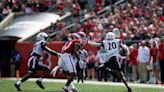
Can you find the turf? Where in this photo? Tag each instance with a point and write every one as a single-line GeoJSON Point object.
{"type": "Point", "coordinates": [29, 86]}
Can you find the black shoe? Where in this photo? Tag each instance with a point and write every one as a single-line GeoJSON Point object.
{"type": "Point", "coordinates": [74, 90]}
{"type": "Point", "coordinates": [129, 90]}
{"type": "Point", "coordinates": [17, 87]}
{"type": "Point", "coordinates": [40, 84]}
{"type": "Point", "coordinates": [142, 82]}
{"type": "Point", "coordinates": [65, 90]}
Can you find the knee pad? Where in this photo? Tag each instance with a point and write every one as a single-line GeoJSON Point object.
{"type": "Point", "coordinates": [118, 75]}
{"type": "Point", "coordinates": [47, 70]}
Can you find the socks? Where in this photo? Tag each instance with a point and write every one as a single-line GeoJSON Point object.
{"type": "Point", "coordinates": [72, 84]}
{"type": "Point", "coordinates": [65, 87]}
{"type": "Point", "coordinates": [19, 82]}
{"type": "Point", "coordinates": [40, 79]}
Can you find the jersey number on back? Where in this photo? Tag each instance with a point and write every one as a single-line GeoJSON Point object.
{"type": "Point", "coordinates": [112, 45]}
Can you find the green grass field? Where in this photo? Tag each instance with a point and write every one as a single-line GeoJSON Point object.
{"type": "Point", "coordinates": [30, 86]}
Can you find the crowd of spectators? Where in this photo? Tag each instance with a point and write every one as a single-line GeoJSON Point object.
{"type": "Point", "coordinates": [139, 20]}
{"type": "Point", "coordinates": [136, 19]}
{"type": "Point", "coordinates": [133, 21]}
{"type": "Point", "coordinates": [76, 7]}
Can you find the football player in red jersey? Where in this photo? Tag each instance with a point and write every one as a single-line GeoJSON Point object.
{"type": "Point", "coordinates": [67, 62]}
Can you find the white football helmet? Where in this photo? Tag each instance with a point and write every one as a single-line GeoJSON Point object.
{"type": "Point", "coordinates": [110, 36]}
{"type": "Point", "coordinates": [41, 36]}
{"type": "Point", "coordinates": [116, 31]}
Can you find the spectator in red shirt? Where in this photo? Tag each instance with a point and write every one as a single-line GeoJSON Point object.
{"type": "Point", "coordinates": [153, 56]}
{"type": "Point", "coordinates": [98, 5]}
{"type": "Point", "coordinates": [59, 7]}
{"type": "Point", "coordinates": [161, 59]}
{"type": "Point", "coordinates": [75, 11]}
{"type": "Point", "coordinates": [47, 4]}
{"type": "Point", "coordinates": [35, 7]}
{"type": "Point", "coordinates": [90, 26]}
{"type": "Point", "coordinates": [133, 61]}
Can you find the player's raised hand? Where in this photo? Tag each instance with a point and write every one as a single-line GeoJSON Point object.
{"type": "Point", "coordinates": [55, 70]}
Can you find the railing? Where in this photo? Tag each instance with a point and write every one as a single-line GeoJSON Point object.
{"type": "Point", "coordinates": [6, 21]}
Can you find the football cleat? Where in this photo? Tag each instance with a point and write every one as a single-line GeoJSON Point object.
{"type": "Point", "coordinates": [39, 83]}
{"type": "Point", "coordinates": [17, 87]}
{"type": "Point", "coordinates": [65, 90]}
{"type": "Point", "coordinates": [129, 90]}
{"type": "Point", "coordinates": [75, 90]}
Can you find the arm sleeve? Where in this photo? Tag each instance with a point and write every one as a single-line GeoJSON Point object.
{"type": "Point", "coordinates": [94, 44]}
{"type": "Point", "coordinates": [44, 47]}
{"type": "Point", "coordinates": [125, 47]}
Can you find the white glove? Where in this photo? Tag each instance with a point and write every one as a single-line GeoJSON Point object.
{"type": "Point", "coordinates": [54, 70]}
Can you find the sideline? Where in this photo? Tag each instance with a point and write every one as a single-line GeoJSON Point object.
{"type": "Point", "coordinates": [141, 85]}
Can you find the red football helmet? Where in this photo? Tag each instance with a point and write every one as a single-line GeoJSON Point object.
{"type": "Point", "coordinates": [73, 36]}
{"type": "Point", "coordinates": [70, 37]}
{"type": "Point", "coordinates": [83, 36]}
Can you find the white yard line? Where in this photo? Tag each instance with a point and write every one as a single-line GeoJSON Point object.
{"type": "Point", "coordinates": [141, 85]}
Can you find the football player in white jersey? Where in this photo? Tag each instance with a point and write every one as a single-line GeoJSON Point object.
{"type": "Point", "coordinates": [33, 62]}
{"type": "Point", "coordinates": [112, 46]}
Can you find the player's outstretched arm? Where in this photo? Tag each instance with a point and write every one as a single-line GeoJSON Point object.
{"type": "Point", "coordinates": [125, 47]}
{"type": "Point", "coordinates": [50, 51]}
{"type": "Point", "coordinates": [94, 44]}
